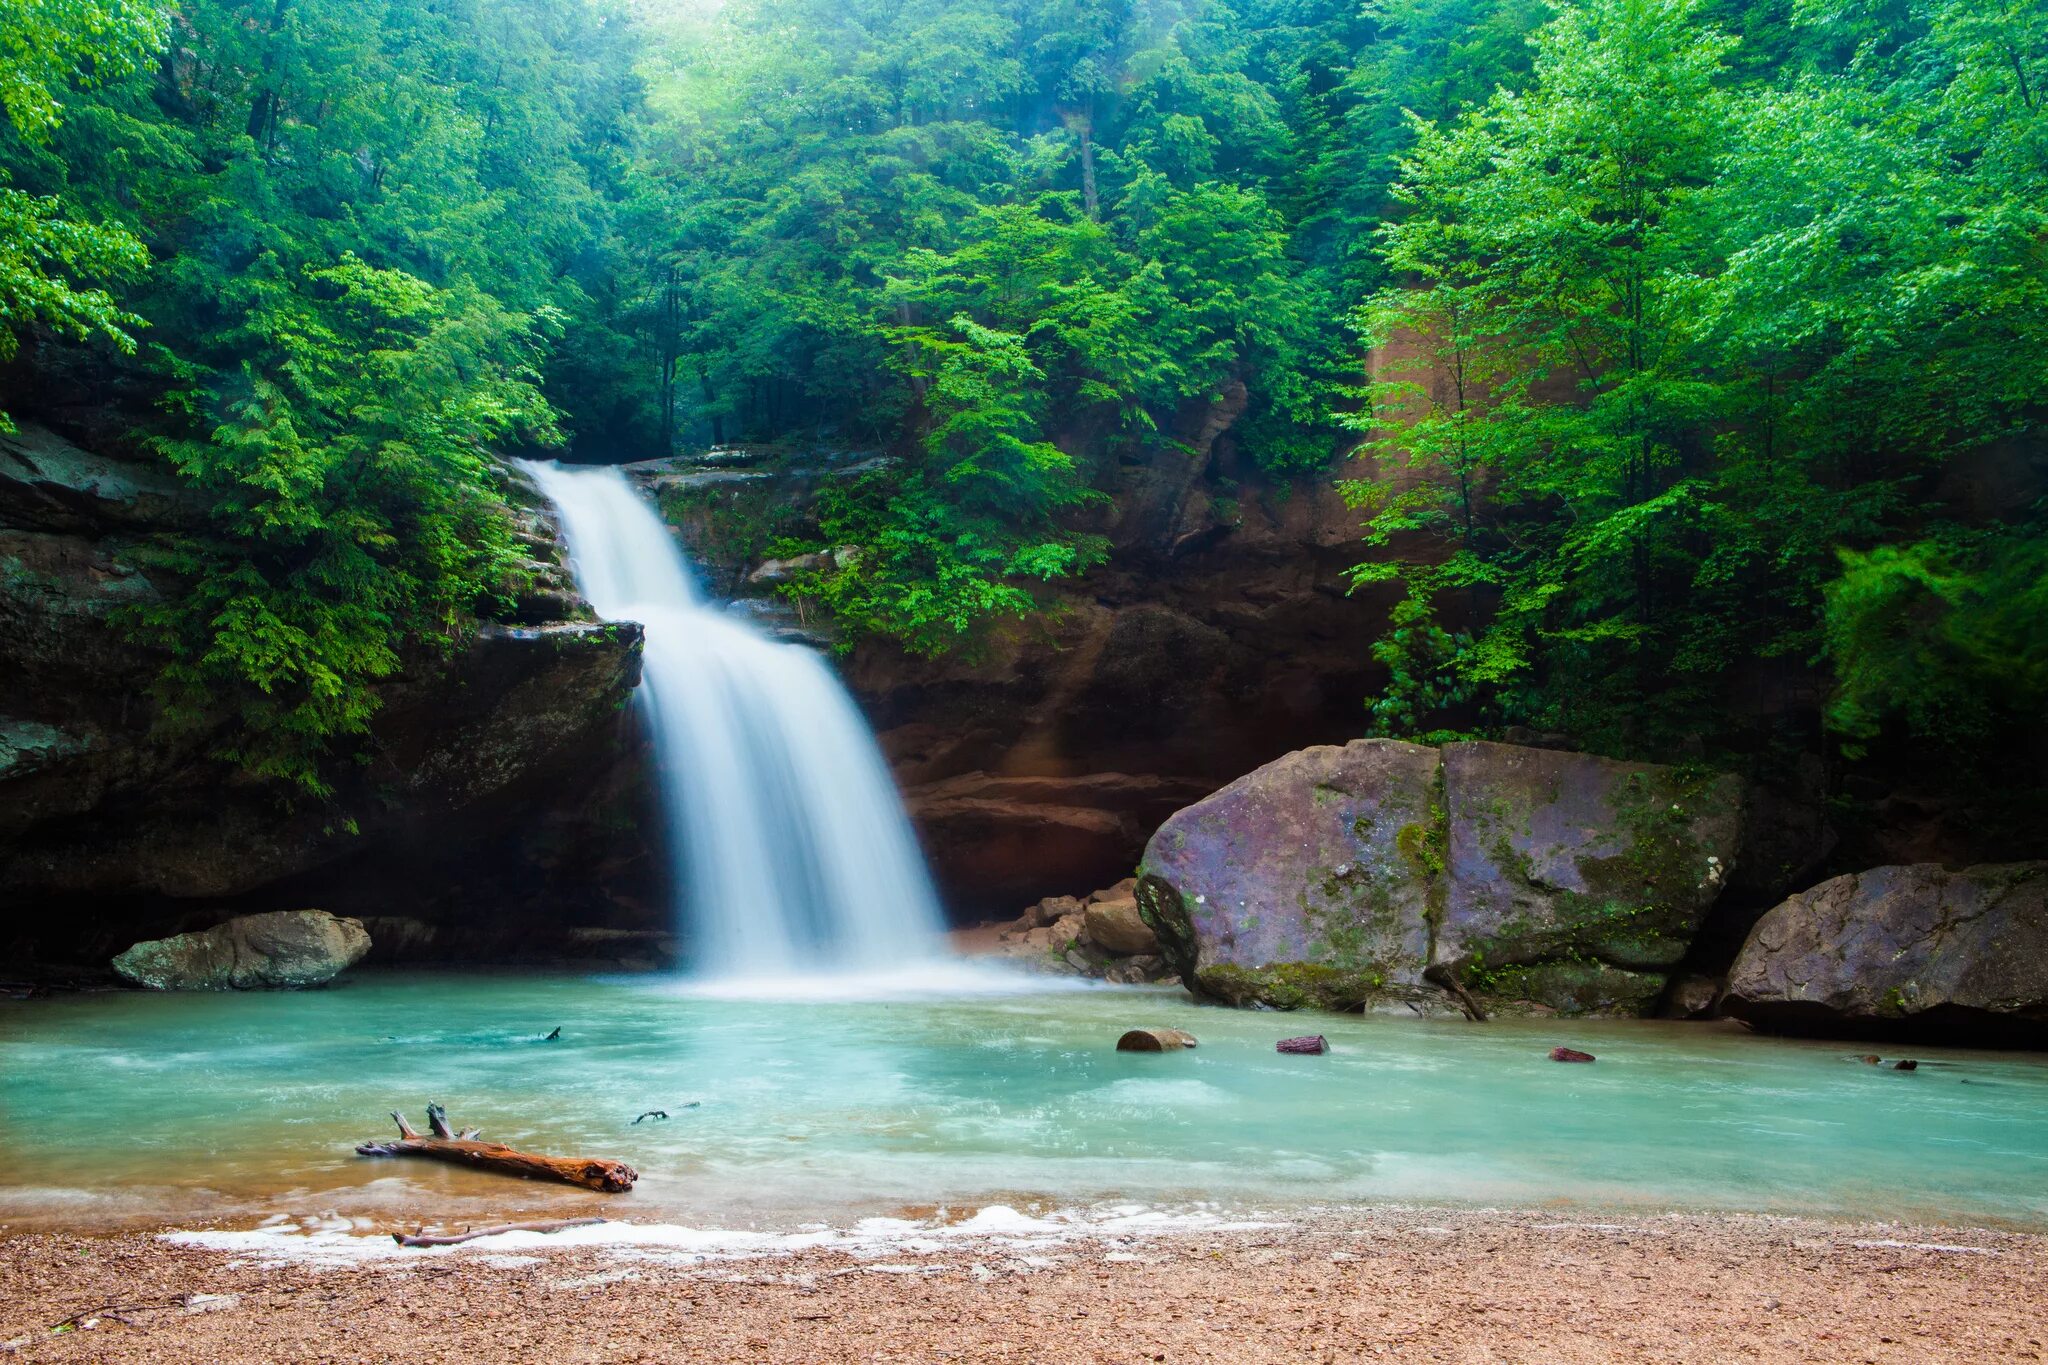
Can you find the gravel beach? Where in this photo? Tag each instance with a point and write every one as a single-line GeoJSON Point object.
{"type": "Point", "coordinates": [1355, 1285]}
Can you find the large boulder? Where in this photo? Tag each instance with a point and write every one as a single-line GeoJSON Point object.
{"type": "Point", "coordinates": [282, 950]}
{"type": "Point", "coordinates": [1336, 877]}
{"type": "Point", "coordinates": [1310, 881]}
{"type": "Point", "coordinates": [1913, 950]}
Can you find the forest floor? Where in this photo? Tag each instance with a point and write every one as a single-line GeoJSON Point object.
{"type": "Point", "coordinates": [1359, 1285]}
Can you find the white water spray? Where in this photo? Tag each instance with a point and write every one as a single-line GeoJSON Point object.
{"type": "Point", "coordinates": [791, 849]}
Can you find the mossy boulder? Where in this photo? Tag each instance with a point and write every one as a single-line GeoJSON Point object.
{"type": "Point", "coordinates": [1560, 859]}
{"type": "Point", "coordinates": [1343, 877]}
{"type": "Point", "coordinates": [1904, 951]}
{"type": "Point", "coordinates": [1306, 882]}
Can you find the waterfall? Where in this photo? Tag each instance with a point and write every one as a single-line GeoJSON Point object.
{"type": "Point", "coordinates": [791, 849]}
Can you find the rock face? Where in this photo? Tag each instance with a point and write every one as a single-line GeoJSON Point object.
{"type": "Point", "coordinates": [282, 950]}
{"type": "Point", "coordinates": [474, 760]}
{"type": "Point", "coordinates": [1337, 877]}
{"type": "Point", "coordinates": [1222, 631]}
{"type": "Point", "coordinates": [1905, 951]}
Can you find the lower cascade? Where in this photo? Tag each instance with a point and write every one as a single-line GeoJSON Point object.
{"type": "Point", "coordinates": [791, 849]}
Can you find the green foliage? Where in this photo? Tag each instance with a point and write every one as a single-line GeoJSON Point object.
{"type": "Point", "coordinates": [356, 506]}
{"type": "Point", "coordinates": [1694, 323]}
{"type": "Point", "coordinates": [1946, 638]}
{"type": "Point", "coordinates": [46, 249]}
{"type": "Point", "coordinates": [365, 221]}
{"type": "Point", "coordinates": [1017, 244]}
{"type": "Point", "coordinates": [1680, 343]}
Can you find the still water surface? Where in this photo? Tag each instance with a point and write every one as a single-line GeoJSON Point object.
{"type": "Point", "coordinates": [140, 1107]}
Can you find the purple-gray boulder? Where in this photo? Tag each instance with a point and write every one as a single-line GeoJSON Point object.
{"type": "Point", "coordinates": [1913, 950]}
{"type": "Point", "coordinates": [1584, 877]}
{"type": "Point", "coordinates": [1306, 882]}
{"type": "Point", "coordinates": [1337, 877]}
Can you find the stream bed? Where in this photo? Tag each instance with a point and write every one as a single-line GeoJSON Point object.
{"type": "Point", "coordinates": [140, 1109]}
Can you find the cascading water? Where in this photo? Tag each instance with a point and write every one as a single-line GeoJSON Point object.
{"type": "Point", "coordinates": [791, 848]}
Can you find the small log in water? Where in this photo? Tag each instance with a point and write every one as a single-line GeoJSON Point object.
{"type": "Point", "coordinates": [1315, 1045]}
{"type": "Point", "coordinates": [1155, 1040]}
{"type": "Point", "coordinates": [467, 1149]}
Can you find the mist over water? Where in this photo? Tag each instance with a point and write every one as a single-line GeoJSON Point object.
{"type": "Point", "coordinates": [791, 850]}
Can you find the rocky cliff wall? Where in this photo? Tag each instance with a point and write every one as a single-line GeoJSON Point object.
{"type": "Point", "coordinates": [111, 825]}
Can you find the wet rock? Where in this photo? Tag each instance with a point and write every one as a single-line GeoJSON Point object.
{"type": "Point", "coordinates": [1692, 996]}
{"type": "Point", "coordinates": [1561, 858]}
{"type": "Point", "coordinates": [400, 938]}
{"type": "Point", "coordinates": [1914, 950]}
{"type": "Point", "coordinates": [777, 571]}
{"type": "Point", "coordinates": [1125, 890]}
{"type": "Point", "coordinates": [1116, 927]}
{"type": "Point", "coordinates": [473, 768]}
{"type": "Point", "coordinates": [285, 949]}
{"type": "Point", "coordinates": [1908, 1064]}
{"type": "Point", "coordinates": [1052, 910]}
{"type": "Point", "coordinates": [1566, 1054]}
{"type": "Point", "coordinates": [1314, 1045]}
{"type": "Point", "coordinates": [999, 841]}
{"type": "Point", "coordinates": [1308, 882]}
{"type": "Point", "coordinates": [1338, 877]}
{"type": "Point", "coordinates": [1155, 1040]}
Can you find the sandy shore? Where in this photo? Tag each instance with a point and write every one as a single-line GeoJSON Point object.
{"type": "Point", "coordinates": [1360, 1286]}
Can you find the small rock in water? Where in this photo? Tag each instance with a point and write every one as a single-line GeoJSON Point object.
{"type": "Point", "coordinates": [1155, 1040]}
{"type": "Point", "coordinates": [1870, 1059]}
{"type": "Point", "coordinates": [552, 1037]}
{"type": "Point", "coordinates": [1567, 1054]}
{"type": "Point", "coordinates": [1313, 1046]}
{"type": "Point", "coordinates": [1907, 1065]}
{"type": "Point", "coordinates": [653, 1114]}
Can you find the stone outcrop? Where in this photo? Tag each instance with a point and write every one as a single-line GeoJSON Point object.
{"type": "Point", "coordinates": [1102, 936]}
{"type": "Point", "coordinates": [1904, 951]}
{"type": "Point", "coordinates": [282, 950]}
{"type": "Point", "coordinates": [1343, 876]}
{"type": "Point", "coordinates": [105, 810]}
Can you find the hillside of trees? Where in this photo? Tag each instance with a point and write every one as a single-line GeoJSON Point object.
{"type": "Point", "coordinates": [1719, 330]}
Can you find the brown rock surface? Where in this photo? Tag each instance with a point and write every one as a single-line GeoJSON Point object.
{"type": "Point", "coordinates": [1116, 927]}
{"type": "Point", "coordinates": [143, 830]}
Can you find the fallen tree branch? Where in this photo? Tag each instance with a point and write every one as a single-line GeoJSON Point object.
{"type": "Point", "coordinates": [453, 1239]}
{"type": "Point", "coordinates": [466, 1149]}
{"type": "Point", "coordinates": [1444, 977]}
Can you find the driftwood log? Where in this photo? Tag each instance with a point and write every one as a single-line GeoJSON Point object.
{"type": "Point", "coordinates": [1315, 1045]}
{"type": "Point", "coordinates": [467, 1148]}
